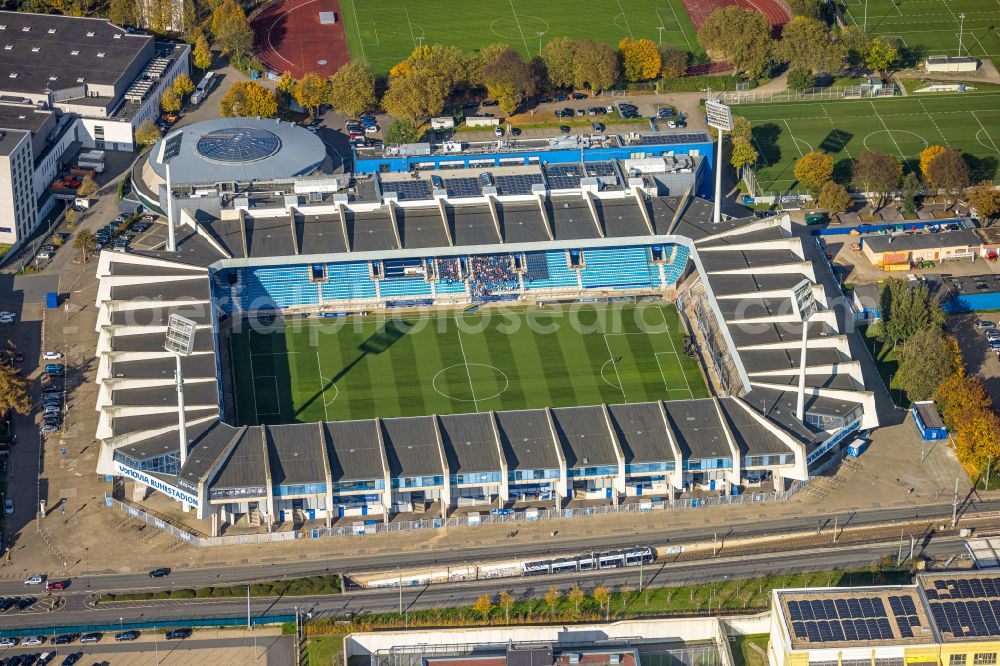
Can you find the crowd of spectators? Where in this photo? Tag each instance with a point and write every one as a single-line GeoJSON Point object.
{"type": "Point", "coordinates": [490, 274]}
{"type": "Point", "coordinates": [448, 270]}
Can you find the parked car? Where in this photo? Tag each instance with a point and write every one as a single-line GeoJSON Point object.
{"type": "Point", "coordinates": [64, 639]}
{"type": "Point", "coordinates": [93, 637]}
{"type": "Point", "coordinates": [564, 129]}
{"type": "Point", "coordinates": [32, 640]}
{"type": "Point", "coordinates": [6, 604]}
{"type": "Point", "coordinates": [490, 102]}
{"type": "Point", "coordinates": [8, 506]}
{"type": "Point", "coordinates": [56, 585]}
{"type": "Point", "coordinates": [177, 634]}
{"type": "Point", "coordinates": [49, 428]}
{"type": "Point", "coordinates": [982, 324]}
{"type": "Point", "coordinates": [579, 95]}
{"type": "Point", "coordinates": [18, 357]}
{"type": "Point", "coordinates": [24, 602]}
{"type": "Point", "coordinates": [159, 572]}
{"type": "Point", "coordinates": [72, 658]}
{"type": "Point", "coordinates": [8, 642]}
{"type": "Point", "coordinates": [52, 355]}
{"type": "Point", "coordinates": [498, 132]}
{"type": "Point", "coordinates": [34, 580]}
{"type": "Point", "coordinates": [129, 635]}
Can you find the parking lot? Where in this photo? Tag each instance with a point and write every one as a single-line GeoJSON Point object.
{"type": "Point", "coordinates": [980, 360]}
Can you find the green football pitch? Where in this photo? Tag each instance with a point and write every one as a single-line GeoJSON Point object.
{"type": "Point", "coordinates": [900, 126]}
{"type": "Point", "coordinates": [932, 27]}
{"type": "Point", "coordinates": [384, 32]}
{"type": "Point", "coordinates": [362, 367]}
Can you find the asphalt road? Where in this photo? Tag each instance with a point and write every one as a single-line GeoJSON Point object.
{"type": "Point", "coordinates": [275, 645]}
{"type": "Point", "coordinates": [76, 612]}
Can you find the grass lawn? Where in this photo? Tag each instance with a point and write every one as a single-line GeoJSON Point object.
{"type": "Point", "coordinates": [743, 654]}
{"type": "Point", "coordinates": [320, 650]}
{"type": "Point", "coordinates": [518, 358]}
{"type": "Point", "coordinates": [931, 27]}
{"type": "Point", "coordinates": [887, 364]}
{"type": "Point", "coordinates": [900, 126]}
{"type": "Point", "coordinates": [384, 32]}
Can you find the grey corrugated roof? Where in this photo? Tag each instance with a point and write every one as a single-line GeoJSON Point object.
{"type": "Point", "coordinates": [142, 422]}
{"type": "Point", "coordinates": [521, 222]}
{"type": "Point", "coordinates": [198, 312]}
{"type": "Point", "coordinates": [755, 308]}
{"type": "Point", "coordinates": [527, 439]}
{"type": "Point", "coordinates": [147, 342]}
{"type": "Point", "coordinates": [472, 225]}
{"type": "Point", "coordinates": [697, 430]}
{"type": "Point", "coordinates": [411, 446]}
{"type": "Point", "coordinates": [584, 436]}
{"type": "Point", "coordinates": [205, 449]}
{"type": "Point", "coordinates": [245, 465]}
{"type": "Point", "coordinates": [735, 260]}
{"type": "Point", "coordinates": [319, 234]}
{"type": "Point", "coordinates": [752, 438]}
{"type": "Point", "coordinates": [571, 218]}
{"type": "Point", "coordinates": [469, 443]}
{"type": "Point", "coordinates": [744, 284]}
{"type": "Point", "coordinates": [759, 360]}
{"type": "Point", "coordinates": [911, 242]}
{"type": "Point", "coordinates": [421, 227]}
{"type": "Point", "coordinates": [354, 450]}
{"type": "Point", "coordinates": [641, 432]}
{"type": "Point", "coordinates": [192, 249]}
{"type": "Point", "coordinates": [193, 288]}
{"type": "Point", "coordinates": [766, 234]}
{"type": "Point", "coordinates": [198, 365]}
{"type": "Point", "coordinates": [269, 236]}
{"type": "Point", "coordinates": [370, 231]}
{"type": "Point", "coordinates": [296, 454]}
{"type": "Point", "coordinates": [762, 334]}
{"type": "Point", "coordinates": [621, 217]}
{"type": "Point", "coordinates": [780, 407]}
{"type": "Point", "coordinates": [195, 393]}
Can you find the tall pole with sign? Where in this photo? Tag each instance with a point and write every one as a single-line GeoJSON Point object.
{"type": "Point", "coordinates": [170, 147]}
{"type": "Point", "coordinates": [180, 343]}
{"type": "Point", "coordinates": [720, 117]}
{"type": "Point", "coordinates": [805, 306]}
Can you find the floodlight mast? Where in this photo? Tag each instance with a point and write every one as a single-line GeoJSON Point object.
{"type": "Point", "coordinates": [805, 306]}
{"type": "Point", "coordinates": [169, 149]}
{"type": "Point", "coordinates": [180, 343]}
{"type": "Point", "coordinates": [720, 117]}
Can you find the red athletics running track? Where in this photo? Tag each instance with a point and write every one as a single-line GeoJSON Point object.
{"type": "Point", "coordinates": [289, 37]}
{"type": "Point", "coordinates": [699, 10]}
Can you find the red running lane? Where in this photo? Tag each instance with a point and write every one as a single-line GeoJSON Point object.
{"type": "Point", "coordinates": [288, 37]}
{"type": "Point", "coordinates": [699, 10]}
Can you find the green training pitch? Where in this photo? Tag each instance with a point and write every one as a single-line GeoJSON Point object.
{"type": "Point", "coordinates": [900, 126]}
{"type": "Point", "coordinates": [931, 27]}
{"type": "Point", "coordinates": [384, 32]}
{"type": "Point", "coordinates": [363, 367]}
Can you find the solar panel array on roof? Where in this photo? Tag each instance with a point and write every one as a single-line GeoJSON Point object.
{"type": "Point", "coordinates": [563, 176]}
{"type": "Point", "coordinates": [517, 184]}
{"type": "Point", "coordinates": [408, 190]}
{"type": "Point", "coordinates": [966, 606]}
{"type": "Point", "coordinates": [832, 620]}
{"type": "Point", "coordinates": [463, 187]}
{"type": "Point", "coordinates": [905, 612]}
{"type": "Point", "coordinates": [600, 169]}
{"type": "Point", "coordinates": [669, 139]}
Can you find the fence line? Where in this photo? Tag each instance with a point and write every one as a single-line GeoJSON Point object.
{"type": "Point", "coordinates": [863, 91]}
{"type": "Point", "coordinates": [471, 520]}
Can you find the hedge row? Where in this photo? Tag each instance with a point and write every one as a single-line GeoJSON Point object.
{"type": "Point", "coordinates": [328, 584]}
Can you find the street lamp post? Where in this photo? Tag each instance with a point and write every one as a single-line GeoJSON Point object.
{"type": "Point", "coordinates": [721, 118]}
{"type": "Point", "coordinates": [180, 343]}
{"type": "Point", "coordinates": [961, 28]}
{"type": "Point", "coordinates": [660, 29]}
{"type": "Point", "coordinates": [540, 33]}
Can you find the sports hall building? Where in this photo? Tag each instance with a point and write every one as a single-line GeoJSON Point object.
{"type": "Point", "coordinates": [322, 245]}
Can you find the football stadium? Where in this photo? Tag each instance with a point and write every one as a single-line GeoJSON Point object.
{"type": "Point", "coordinates": [460, 330]}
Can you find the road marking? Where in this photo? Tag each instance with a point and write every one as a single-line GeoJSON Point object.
{"type": "Point", "coordinates": [468, 371]}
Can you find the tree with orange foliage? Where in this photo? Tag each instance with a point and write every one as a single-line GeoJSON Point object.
{"type": "Point", "coordinates": [640, 59]}
{"type": "Point", "coordinates": [927, 156]}
{"type": "Point", "coordinates": [977, 442]}
{"type": "Point", "coordinates": [957, 396]}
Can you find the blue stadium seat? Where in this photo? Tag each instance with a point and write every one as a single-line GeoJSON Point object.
{"type": "Point", "coordinates": [619, 267]}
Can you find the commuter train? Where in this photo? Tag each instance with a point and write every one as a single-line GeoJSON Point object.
{"type": "Point", "coordinates": [612, 559]}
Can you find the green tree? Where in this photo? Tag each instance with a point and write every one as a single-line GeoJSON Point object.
{"type": "Point", "coordinates": [742, 130]}
{"type": "Point", "coordinates": [905, 310]}
{"type": "Point", "coordinates": [123, 12]}
{"type": "Point", "coordinates": [88, 187]}
{"type": "Point", "coordinates": [509, 80]}
{"type": "Point", "coordinates": [813, 169]}
{"type": "Point", "coordinates": [949, 172]}
{"type": "Point", "coordinates": [13, 390]}
{"type": "Point", "coordinates": [202, 54]}
{"type": "Point", "coordinates": [557, 56]}
{"type": "Point", "coordinates": [741, 36]}
{"type": "Point", "coordinates": [640, 59]}
{"type": "Point", "coordinates": [857, 42]}
{"type": "Point", "coordinates": [958, 396]}
{"type": "Point", "coordinates": [925, 361]}
{"type": "Point", "coordinates": [834, 197]}
{"type": "Point", "coordinates": [910, 191]}
{"type": "Point", "coordinates": [603, 597]}
{"type": "Point", "coordinates": [352, 89]}
{"type": "Point", "coordinates": [85, 243]}
{"type": "Point", "coordinates": [147, 133]}
{"type": "Point", "coordinates": [813, 9]}
{"type": "Point", "coordinates": [876, 174]}
{"type": "Point", "coordinates": [419, 86]}
{"type": "Point", "coordinates": [808, 44]}
{"type": "Point", "coordinates": [170, 102]}
{"type": "Point", "coordinates": [312, 92]}
{"type": "Point", "coordinates": [595, 65]}
{"type": "Point", "coordinates": [673, 61]}
{"type": "Point", "coordinates": [882, 56]}
{"type": "Point", "coordinates": [506, 600]}
{"type": "Point", "coordinates": [231, 29]}
{"type": "Point", "coordinates": [401, 131]}
{"type": "Point", "coordinates": [800, 80]}
{"type": "Point", "coordinates": [985, 199]}
{"type": "Point", "coordinates": [248, 98]}
{"type": "Point", "coordinates": [742, 154]}
{"type": "Point", "coordinates": [183, 85]}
